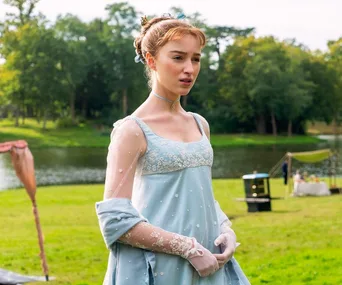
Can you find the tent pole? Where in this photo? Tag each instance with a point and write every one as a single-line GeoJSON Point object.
{"type": "Point", "coordinates": [330, 172]}
{"type": "Point", "coordinates": [289, 174]}
{"type": "Point", "coordinates": [276, 167]}
{"type": "Point", "coordinates": [336, 167]}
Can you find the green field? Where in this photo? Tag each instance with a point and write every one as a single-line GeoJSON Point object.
{"type": "Point", "coordinates": [36, 137]}
{"type": "Point", "coordinates": [92, 136]}
{"type": "Point", "coordinates": [299, 242]}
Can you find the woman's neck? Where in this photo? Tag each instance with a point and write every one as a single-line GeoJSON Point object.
{"type": "Point", "coordinates": [165, 101]}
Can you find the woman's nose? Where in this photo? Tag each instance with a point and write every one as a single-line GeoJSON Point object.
{"type": "Point", "coordinates": [188, 68]}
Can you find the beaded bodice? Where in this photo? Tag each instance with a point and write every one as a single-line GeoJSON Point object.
{"type": "Point", "coordinates": [165, 155]}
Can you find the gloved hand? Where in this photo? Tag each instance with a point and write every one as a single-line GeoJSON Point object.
{"type": "Point", "coordinates": [201, 259]}
{"type": "Point", "coordinates": [228, 244]}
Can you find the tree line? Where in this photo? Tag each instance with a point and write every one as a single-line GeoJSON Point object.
{"type": "Point", "coordinates": [73, 71]}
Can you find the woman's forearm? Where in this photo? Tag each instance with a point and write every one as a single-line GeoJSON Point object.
{"type": "Point", "coordinates": [147, 236]}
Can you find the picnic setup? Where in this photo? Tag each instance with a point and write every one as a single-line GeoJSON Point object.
{"type": "Point", "coordinates": [257, 185]}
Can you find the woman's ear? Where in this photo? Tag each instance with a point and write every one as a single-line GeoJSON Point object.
{"type": "Point", "coordinates": [150, 61]}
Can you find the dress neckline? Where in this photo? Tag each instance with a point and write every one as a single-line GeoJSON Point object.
{"type": "Point", "coordinates": [171, 140]}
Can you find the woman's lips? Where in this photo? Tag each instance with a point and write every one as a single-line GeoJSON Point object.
{"type": "Point", "coordinates": [186, 82]}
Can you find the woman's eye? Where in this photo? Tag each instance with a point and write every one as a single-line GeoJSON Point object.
{"type": "Point", "coordinates": [177, 58]}
{"type": "Point", "coordinates": [196, 59]}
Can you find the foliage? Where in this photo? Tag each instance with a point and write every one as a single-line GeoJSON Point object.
{"type": "Point", "coordinates": [334, 58]}
{"type": "Point", "coordinates": [65, 122]}
{"type": "Point", "coordinates": [86, 70]}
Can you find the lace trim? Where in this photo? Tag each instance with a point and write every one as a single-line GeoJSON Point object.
{"type": "Point", "coordinates": [167, 156]}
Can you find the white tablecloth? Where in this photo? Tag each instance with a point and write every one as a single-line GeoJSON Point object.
{"type": "Point", "coordinates": [311, 189]}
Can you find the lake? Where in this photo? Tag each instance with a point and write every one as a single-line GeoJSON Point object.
{"type": "Point", "coordinates": [87, 165]}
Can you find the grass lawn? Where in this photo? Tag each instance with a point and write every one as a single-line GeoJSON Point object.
{"type": "Point", "coordinates": [67, 137]}
{"type": "Point", "coordinates": [87, 136]}
{"type": "Point", "coordinates": [299, 242]}
{"type": "Point", "coordinates": [252, 140]}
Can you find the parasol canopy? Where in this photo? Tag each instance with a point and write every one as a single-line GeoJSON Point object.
{"type": "Point", "coordinates": [23, 164]}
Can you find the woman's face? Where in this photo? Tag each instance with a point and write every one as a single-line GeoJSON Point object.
{"type": "Point", "coordinates": [177, 65]}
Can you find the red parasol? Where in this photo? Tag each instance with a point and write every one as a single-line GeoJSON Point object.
{"type": "Point", "coordinates": [23, 163]}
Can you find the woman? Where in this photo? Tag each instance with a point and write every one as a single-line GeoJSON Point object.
{"type": "Point", "coordinates": [159, 217]}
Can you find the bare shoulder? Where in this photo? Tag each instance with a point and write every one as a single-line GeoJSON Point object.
{"type": "Point", "coordinates": [205, 125]}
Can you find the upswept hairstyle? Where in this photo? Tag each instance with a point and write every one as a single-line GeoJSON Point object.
{"type": "Point", "coordinates": [156, 32]}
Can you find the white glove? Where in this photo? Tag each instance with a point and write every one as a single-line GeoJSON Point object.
{"type": "Point", "coordinates": [228, 244]}
{"type": "Point", "coordinates": [201, 259]}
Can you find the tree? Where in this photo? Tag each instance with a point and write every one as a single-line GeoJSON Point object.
{"type": "Point", "coordinates": [323, 78]}
{"type": "Point", "coordinates": [19, 45]}
{"type": "Point", "coordinates": [31, 58]}
{"type": "Point", "coordinates": [124, 76]}
{"type": "Point", "coordinates": [334, 58]}
{"type": "Point", "coordinates": [265, 80]}
{"type": "Point", "coordinates": [71, 31]}
{"type": "Point", "coordinates": [223, 35]}
{"type": "Point", "coordinates": [261, 80]}
{"type": "Point", "coordinates": [298, 90]}
{"type": "Point", "coordinates": [9, 86]}
{"type": "Point", "coordinates": [25, 11]}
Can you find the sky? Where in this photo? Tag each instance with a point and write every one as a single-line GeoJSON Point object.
{"type": "Point", "coordinates": [311, 22]}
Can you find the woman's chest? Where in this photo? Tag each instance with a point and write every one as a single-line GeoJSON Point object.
{"type": "Point", "coordinates": [164, 155]}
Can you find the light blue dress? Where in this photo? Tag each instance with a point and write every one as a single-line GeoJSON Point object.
{"type": "Point", "coordinates": [172, 190]}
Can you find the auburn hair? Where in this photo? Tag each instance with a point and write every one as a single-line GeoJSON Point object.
{"type": "Point", "coordinates": [155, 33]}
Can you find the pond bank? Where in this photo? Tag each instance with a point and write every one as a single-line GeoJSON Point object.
{"type": "Point", "coordinates": [87, 136]}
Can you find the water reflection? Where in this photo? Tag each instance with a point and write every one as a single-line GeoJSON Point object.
{"type": "Point", "coordinates": [59, 166]}
{"type": "Point", "coordinates": [234, 162]}
{"type": "Point", "coordinates": [87, 165]}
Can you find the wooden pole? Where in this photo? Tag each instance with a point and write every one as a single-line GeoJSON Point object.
{"type": "Point", "coordinates": [23, 163]}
